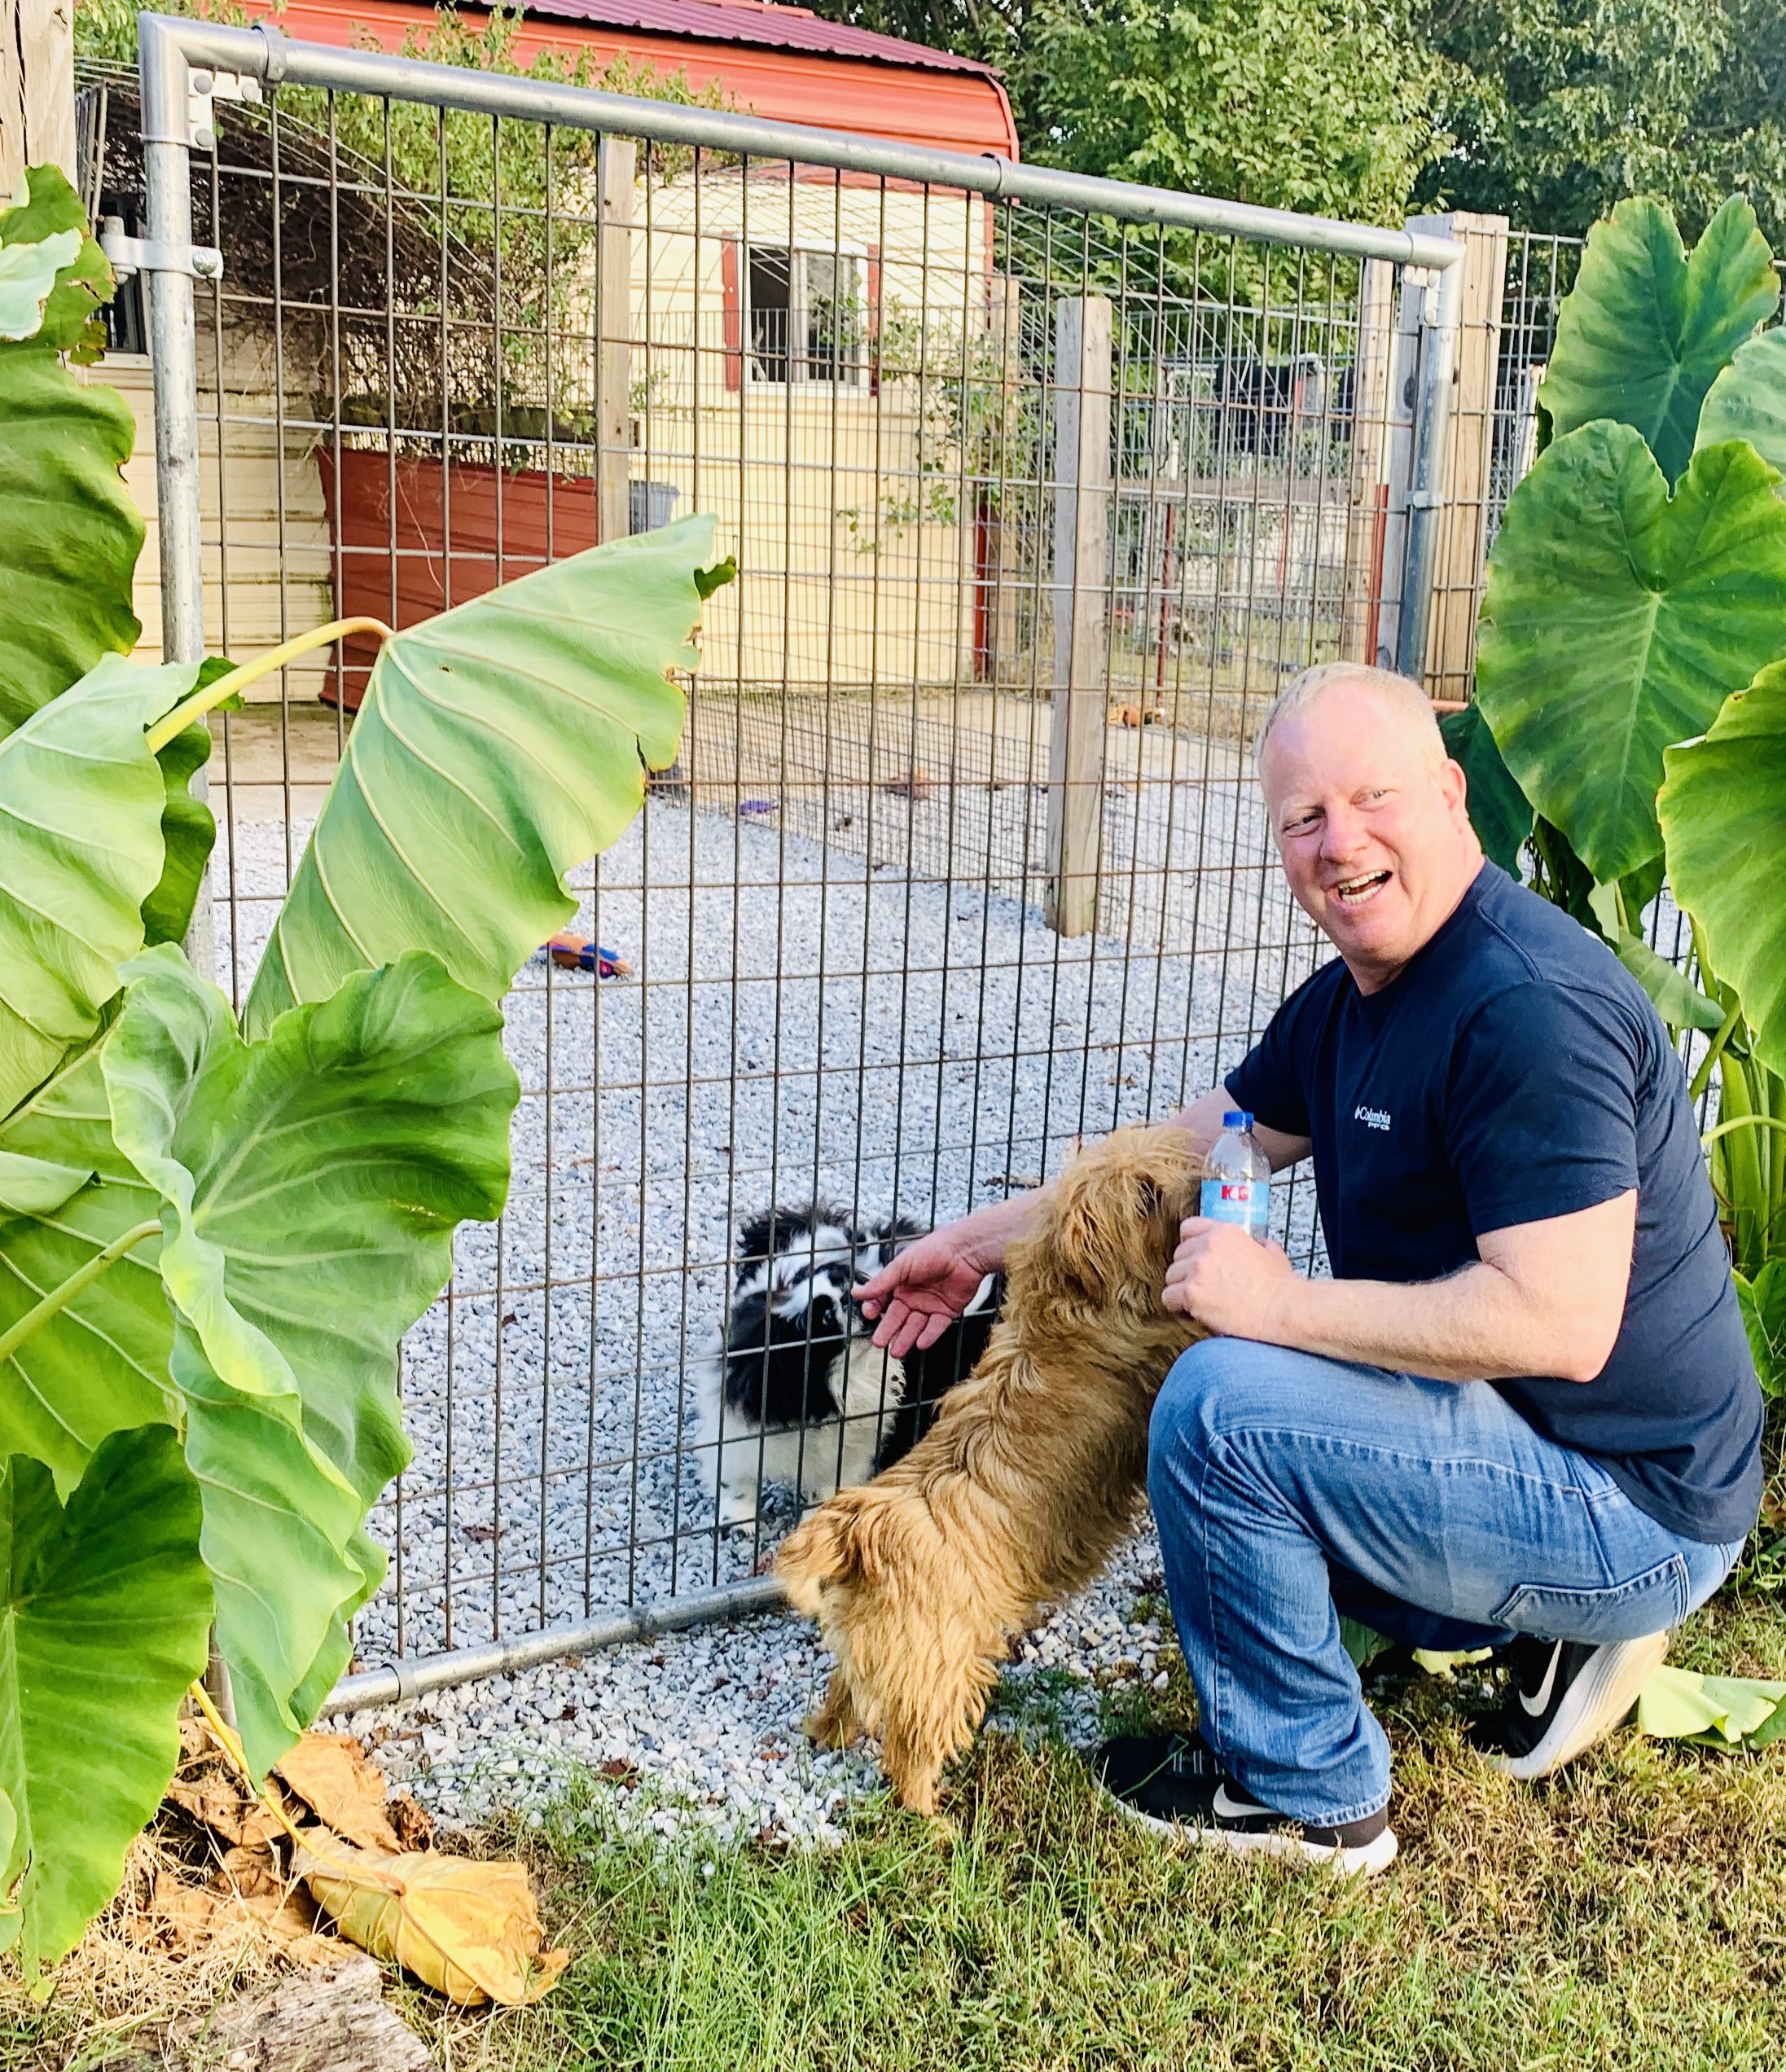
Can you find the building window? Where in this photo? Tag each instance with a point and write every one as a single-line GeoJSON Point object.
{"type": "Point", "coordinates": [807, 315]}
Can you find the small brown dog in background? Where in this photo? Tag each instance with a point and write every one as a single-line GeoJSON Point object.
{"type": "Point", "coordinates": [921, 1580]}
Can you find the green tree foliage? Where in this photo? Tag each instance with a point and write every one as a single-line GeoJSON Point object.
{"type": "Point", "coordinates": [1560, 107]}
{"type": "Point", "coordinates": [1547, 112]}
{"type": "Point", "coordinates": [1322, 105]}
{"type": "Point", "coordinates": [1305, 104]}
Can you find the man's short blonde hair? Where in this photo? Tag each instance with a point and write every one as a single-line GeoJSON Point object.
{"type": "Point", "coordinates": [1400, 692]}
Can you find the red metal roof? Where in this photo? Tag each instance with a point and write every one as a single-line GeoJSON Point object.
{"type": "Point", "coordinates": [756, 21]}
{"type": "Point", "coordinates": [782, 63]}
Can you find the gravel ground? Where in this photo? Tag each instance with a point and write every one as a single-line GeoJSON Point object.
{"type": "Point", "coordinates": [802, 1018]}
{"type": "Point", "coordinates": [698, 1732]}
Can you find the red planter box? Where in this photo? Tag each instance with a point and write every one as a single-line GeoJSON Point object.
{"type": "Point", "coordinates": [412, 536]}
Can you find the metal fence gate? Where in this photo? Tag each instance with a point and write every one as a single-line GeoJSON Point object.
{"type": "Point", "coordinates": [1039, 487]}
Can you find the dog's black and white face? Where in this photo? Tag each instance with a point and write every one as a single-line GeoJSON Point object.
{"type": "Point", "coordinates": [795, 1389]}
{"type": "Point", "coordinates": [791, 1319]}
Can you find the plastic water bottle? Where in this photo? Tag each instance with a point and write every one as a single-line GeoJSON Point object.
{"type": "Point", "coordinates": [1237, 1182]}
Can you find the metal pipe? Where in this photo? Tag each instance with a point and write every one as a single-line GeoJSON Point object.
{"type": "Point", "coordinates": [168, 191]}
{"type": "Point", "coordinates": [264, 53]}
{"type": "Point", "coordinates": [167, 181]}
{"type": "Point", "coordinates": [404, 1680]}
{"type": "Point", "coordinates": [1426, 490]}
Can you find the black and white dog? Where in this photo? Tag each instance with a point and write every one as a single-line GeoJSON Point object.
{"type": "Point", "coordinates": [794, 1389]}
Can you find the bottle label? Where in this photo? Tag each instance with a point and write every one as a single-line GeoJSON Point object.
{"type": "Point", "coordinates": [1234, 1201]}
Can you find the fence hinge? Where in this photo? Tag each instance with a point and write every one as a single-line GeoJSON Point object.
{"type": "Point", "coordinates": [134, 255]}
{"type": "Point", "coordinates": [203, 86]}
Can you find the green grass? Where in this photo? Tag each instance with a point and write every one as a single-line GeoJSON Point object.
{"type": "Point", "coordinates": [1630, 1913]}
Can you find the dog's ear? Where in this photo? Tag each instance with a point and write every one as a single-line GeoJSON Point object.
{"type": "Point", "coordinates": [1081, 1244]}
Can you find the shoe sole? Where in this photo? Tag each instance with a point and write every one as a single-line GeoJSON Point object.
{"type": "Point", "coordinates": [1600, 1698]}
{"type": "Point", "coordinates": [1372, 1858]}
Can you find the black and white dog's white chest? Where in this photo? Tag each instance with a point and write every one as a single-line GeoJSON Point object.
{"type": "Point", "coordinates": [794, 1389]}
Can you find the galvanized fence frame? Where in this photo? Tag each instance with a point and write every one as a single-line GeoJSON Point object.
{"type": "Point", "coordinates": [1402, 324]}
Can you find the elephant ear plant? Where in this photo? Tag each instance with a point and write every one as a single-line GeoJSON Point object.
{"type": "Point", "coordinates": [1630, 720]}
{"type": "Point", "coordinates": [212, 1234]}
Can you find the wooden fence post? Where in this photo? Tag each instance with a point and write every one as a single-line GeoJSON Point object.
{"type": "Point", "coordinates": [36, 89]}
{"type": "Point", "coordinates": [614, 337]}
{"type": "Point", "coordinates": [1083, 409]}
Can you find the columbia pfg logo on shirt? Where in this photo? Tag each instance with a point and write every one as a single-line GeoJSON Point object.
{"type": "Point", "coordinates": [1372, 1118]}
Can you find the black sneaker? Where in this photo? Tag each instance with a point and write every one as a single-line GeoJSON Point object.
{"type": "Point", "coordinates": [1174, 1783]}
{"type": "Point", "coordinates": [1566, 1695]}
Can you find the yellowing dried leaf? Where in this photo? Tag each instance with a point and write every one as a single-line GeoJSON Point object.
{"type": "Point", "coordinates": [415, 1824]}
{"type": "Point", "coordinates": [217, 1802]}
{"type": "Point", "coordinates": [185, 1916]}
{"type": "Point", "coordinates": [330, 1774]}
{"type": "Point", "coordinates": [469, 1930]}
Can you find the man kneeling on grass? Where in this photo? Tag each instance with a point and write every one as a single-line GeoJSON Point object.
{"type": "Point", "coordinates": [1521, 1414]}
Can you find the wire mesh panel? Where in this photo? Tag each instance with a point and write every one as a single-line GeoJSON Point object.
{"type": "Point", "coordinates": [1035, 511]}
{"type": "Point", "coordinates": [1540, 272]}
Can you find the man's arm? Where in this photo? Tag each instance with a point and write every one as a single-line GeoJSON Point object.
{"type": "Point", "coordinates": [1203, 1119]}
{"type": "Point", "coordinates": [913, 1300]}
{"type": "Point", "coordinates": [1544, 1299]}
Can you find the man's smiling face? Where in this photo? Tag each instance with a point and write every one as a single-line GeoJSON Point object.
{"type": "Point", "coordinates": [1368, 815]}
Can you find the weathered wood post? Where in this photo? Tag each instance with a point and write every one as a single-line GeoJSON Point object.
{"type": "Point", "coordinates": [1082, 412]}
{"type": "Point", "coordinates": [36, 89]}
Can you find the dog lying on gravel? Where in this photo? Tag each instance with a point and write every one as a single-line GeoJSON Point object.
{"type": "Point", "coordinates": [793, 1388]}
{"type": "Point", "coordinates": [921, 1580]}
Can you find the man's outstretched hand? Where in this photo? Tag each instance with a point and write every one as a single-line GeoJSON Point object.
{"type": "Point", "coordinates": [1228, 1281]}
{"type": "Point", "coordinates": [921, 1291]}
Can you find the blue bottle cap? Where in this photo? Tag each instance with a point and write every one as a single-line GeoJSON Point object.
{"type": "Point", "coordinates": [1237, 1118]}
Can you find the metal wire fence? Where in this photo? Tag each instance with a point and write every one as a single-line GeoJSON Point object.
{"type": "Point", "coordinates": [1038, 492]}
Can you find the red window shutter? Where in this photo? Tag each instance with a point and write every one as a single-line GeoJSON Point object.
{"type": "Point", "coordinates": [734, 313]}
{"type": "Point", "coordinates": [874, 320]}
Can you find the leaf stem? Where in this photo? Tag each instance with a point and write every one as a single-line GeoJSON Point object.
{"type": "Point", "coordinates": [1744, 1122]}
{"type": "Point", "coordinates": [213, 694]}
{"type": "Point", "coordinates": [58, 1298]}
{"type": "Point", "coordinates": [225, 1739]}
{"type": "Point", "coordinates": [1702, 1077]}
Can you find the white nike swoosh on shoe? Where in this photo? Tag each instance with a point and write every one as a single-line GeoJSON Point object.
{"type": "Point", "coordinates": [1227, 1807]}
{"type": "Point", "coordinates": [1534, 1706]}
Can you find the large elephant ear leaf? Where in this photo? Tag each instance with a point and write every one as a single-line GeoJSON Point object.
{"type": "Point", "coordinates": [69, 533]}
{"type": "Point", "coordinates": [1645, 331]}
{"type": "Point", "coordinates": [50, 214]}
{"type": "Point", "coordinates": [82, 802]}
{"type": "Point", "coordinates": [546, 701]}
{"type": "Point", "coordinates": [1747, 401]}
{"type": "Point", "coordinates": [99, 1365]}
{"type": "Point", "coordinates": [104, 1608]}
{"type": "Point", "coordinates": [27, 273]}
{"type": "Point", "coordinates": [310, 1183]}
{"type": "Point", "coordinates": [1617, 620]}
{"type": "Point", "coordinates": [1499, 810]}
{"type": "Point", "coordinates": [1724, 816]}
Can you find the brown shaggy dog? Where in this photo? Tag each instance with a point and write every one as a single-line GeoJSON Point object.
{"type": "Point", "coordinates": [921, 1579]}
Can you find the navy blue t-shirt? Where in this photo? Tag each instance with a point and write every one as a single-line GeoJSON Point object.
{"type": "Point", "coordinates": [1513, 1071]}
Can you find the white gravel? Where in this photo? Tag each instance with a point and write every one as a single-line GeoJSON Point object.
{"type": "Point", "coordinates": [698, 1733]}
{"type": "Point", "coordinates": [803, 1017]}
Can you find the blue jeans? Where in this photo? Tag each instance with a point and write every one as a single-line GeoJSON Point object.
{"type": "Point", "coordinates": [1289, 1488]}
